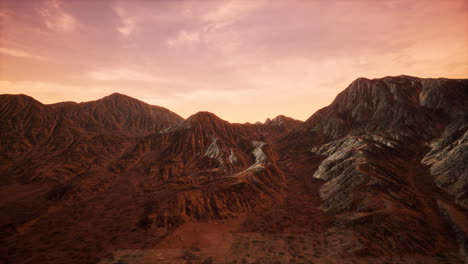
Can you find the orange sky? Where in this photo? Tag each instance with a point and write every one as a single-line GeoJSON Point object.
{"type": "Point", "coordinates": [242, 60]}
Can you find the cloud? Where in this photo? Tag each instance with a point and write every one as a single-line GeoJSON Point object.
{"type": "Point", "coordinates": [55, 18]}
{"type": "Point", "coordinates": [184, 39]}
{"type": "Point", "coordinates": [127, 22]}
{"type": "Point", "coordinates": [228, 12]}
{"type": "Point", "coordinates": [19, 53]}
{"type": "Point", "coordinates": [214, 27]}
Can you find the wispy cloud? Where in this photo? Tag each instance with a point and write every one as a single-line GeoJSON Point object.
{"type": "Point", "coordinates": [55, 18]}
{"type": "Point", "coordinates": [19, 53]}
{"type": "Point", "coordinates": [213, 24]}
{"type": "Point", "coordinates": [184, 38]}
{"type": "Point", "coordinates": [229, 12]}
{"type": "Point", "coordinates": [128, 23]}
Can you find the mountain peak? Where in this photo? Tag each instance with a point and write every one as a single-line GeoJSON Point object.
{"type": "Point", "coordinates": [204, 116]}
{"type": "Point", "coordinates": [384, 103]}
{"type": "Point", "coordinates": [18, 98]}
{"type": "Point", "coordinates": [277, 119]}
{"type": "Point", "coordinates": [205, 121]}
{"type": "Point", "coordinates": [282, 120]}
{"type": "Point", "coordinates": [118, 97]}
{"type": "Point", "coordinates": [21, 100]}
{"type": "Point", "coordinates": [119, 111]}
{"type": "Point", "coordinates": [395, 77]}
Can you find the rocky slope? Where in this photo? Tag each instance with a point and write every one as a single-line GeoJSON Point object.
{"type": "Point", "coordinates": [58, 141]}
{"type": "Point", "coordinates": [379, 173]}
{"type": "Point", "coordinates": [394, 148]}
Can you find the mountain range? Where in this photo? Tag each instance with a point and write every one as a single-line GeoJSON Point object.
{"type": "Point", "coordinates": [378, 176]}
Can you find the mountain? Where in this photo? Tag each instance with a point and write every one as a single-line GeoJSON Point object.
{"type": "Point", "coordinates": [378, 176]}
{"type": "Point", "coordinates": [282, 120]}
{"type": "Point", "coordinates": [385, 171]}
{"type": "Point", "coordinates": [69, 136]}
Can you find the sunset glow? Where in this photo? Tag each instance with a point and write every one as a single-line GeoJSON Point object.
{"type": "Point", "coordinates": [242, 60]}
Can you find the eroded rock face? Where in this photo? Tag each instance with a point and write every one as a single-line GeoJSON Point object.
{"type": "Point", "coordinates": [448, 164]}
{"type": "Point", "coordinates": [371, 185]}
{"type": "Point", "coordinates": [449, 152]}
{"type": "Point", "coordinates": [381, 104]}
{"type": "Point", "coordinates": [392, 147]}
{"type": "Point", "coordinates": [213, 169]}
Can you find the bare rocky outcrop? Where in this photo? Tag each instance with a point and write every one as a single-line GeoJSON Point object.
{"type": "Point", "coordinates": [391, 147]}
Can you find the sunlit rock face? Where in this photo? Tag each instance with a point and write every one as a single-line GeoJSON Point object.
{"type": "Point", "coordinates": [381, 171]}
{"type": "Point", "coordinates": [403, 103]}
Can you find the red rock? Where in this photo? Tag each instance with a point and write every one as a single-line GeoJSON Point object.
{"type": "Point", "coordinates": [383, 164]}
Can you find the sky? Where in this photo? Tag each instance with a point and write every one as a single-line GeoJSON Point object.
{"type": "Point", "coordinates": [243, 60]}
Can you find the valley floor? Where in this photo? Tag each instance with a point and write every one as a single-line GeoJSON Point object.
{"type": "Point", "coordinates": [243, 248]}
